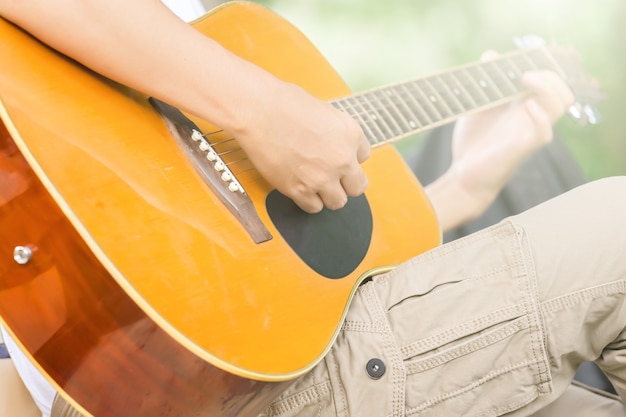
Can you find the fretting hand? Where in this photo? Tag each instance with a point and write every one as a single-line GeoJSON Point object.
{"type": "Point", "coordinates": [488, 146]}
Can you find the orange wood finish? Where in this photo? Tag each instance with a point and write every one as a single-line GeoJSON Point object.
{"type": "Point", "coordinates": [85, 333]}
{"type": "Point", "coordinates": [140, 273]}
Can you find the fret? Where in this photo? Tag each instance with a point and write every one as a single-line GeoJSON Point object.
{"type": "Point", "coordinates": [543, 60]}
{"type": "Point", "coordinates": [374, 134]}
{"type": "Point", "coordinates": [436, 97]}
{"type": "Point", "coordinates": [512, 73]}
{"type": "Point", "coordinates": [393, 118]}
{"type": "Point", "coordinates": [373, 119]}
{"type": "Point", "coordinates": [421, 103]}
{"type": "Point", "coordinates": [345, 107]}
{"type": "Point", "coordinates": [500, 79]}
{"type": "Point", "coordinates": [447, 95]}
{"type": "Point", "coordinates": [522, 62]}
{"type": "Point", "coordinates": [459, 91]}
{"type": "Point", "coordinates": [484, 82]}
{"type": "Point", "coordinates": [417, 110]}
{"type": "Point", "coordinates": [394, 108]}
{"type": "Point", "coordinates": [395, 111]}
{"type": "Point", "coordinates": [471, 85]}
{"type": "Point", "coordinates": [397, 95]}
{"type": "Point", "coordinates": [424, 101]}
{"type": "Point", "coordinates": [377, 112]}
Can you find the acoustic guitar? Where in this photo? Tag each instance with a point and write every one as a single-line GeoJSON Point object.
{"type": "Point", "coordinates": [145, 266]}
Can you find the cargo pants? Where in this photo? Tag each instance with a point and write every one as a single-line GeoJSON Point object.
{"type": "Point", "coordinates": [492, 324]}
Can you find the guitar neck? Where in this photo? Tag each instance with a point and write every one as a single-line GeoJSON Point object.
{"type": "Point", "coordinates": [393, 112]}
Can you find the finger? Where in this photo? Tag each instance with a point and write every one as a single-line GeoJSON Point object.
{"type": "Point", "coordinates": [355, 183]}
{"type": "Point", "coordinates": [489, 55]}
{"type": "Point", "coordinates": [541, 120]}
{"type": "Point", "coordinates": [549, 91]}
{"type": "Point", "coordinates": [545, 82]}
{"type": "Point", "coordinates": [311, 203]}
{"type": "Point", "coordinates": [333, 196]}
{"type": "Point", "coordinates": [364, 150]}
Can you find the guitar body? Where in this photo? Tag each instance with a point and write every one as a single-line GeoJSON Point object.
{"type": "Point", "coordinates": [144, 296]}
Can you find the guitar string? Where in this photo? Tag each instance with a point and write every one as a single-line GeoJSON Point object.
{"type": "Point", "coordinates": [509, 60]}
{"type": "Point", "coordinates": [361, 114]}
{"type": "Point", "coordinates": [364, 114]}
{"type": "Point", "coordinates": [357, 114]}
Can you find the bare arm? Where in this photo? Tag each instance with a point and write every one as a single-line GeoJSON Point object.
{"type": "Point", "coordinates": [487, 148]}
{"type": "Point", "coordinates": [304, 147]}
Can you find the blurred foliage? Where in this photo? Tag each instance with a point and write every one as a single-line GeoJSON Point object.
{"type": "Point", "coordinates": [372, 43]}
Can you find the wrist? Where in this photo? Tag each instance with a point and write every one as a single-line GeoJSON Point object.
{"type": "Point", "coordinates": [455, 201]}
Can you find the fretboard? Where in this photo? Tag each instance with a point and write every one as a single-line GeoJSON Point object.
{"type": "Point", "coordinates": [397, 111]}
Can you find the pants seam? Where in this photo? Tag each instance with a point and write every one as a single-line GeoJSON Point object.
{"type": "Point", "coordinates": [389, 345]}
{"type": "Point", "coordinates": [576, 297]}
{"type": "Point", "coordinates": [491, 319]}
{"type": "Point", "coordinates": [509, 407]}
{"type": "Point", "coordinates": [467, 388]}
{"type": "Point", "coordinates": [503, 230]}
{"type": "Point", "coordinates": [291, 402]}
{"type": "Point", "coordinates": [469, 347]}
{"type": "Point", "coordinates": [363, 327]}
{"type": "Point", "coordinates": [539, 344]}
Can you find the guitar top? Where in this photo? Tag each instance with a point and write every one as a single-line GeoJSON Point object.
{"type": "Point", "coordinates": [169, 242]}
{"type": "Point", "coordinates": [219, 268]}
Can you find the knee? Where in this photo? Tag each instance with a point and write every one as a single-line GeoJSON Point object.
{"type": "Point", "coordinates": [593, 213]}
{"type": "Point", "coordinates": [616, 182]}
{"type": "Point", "coordinates": [609, 192]}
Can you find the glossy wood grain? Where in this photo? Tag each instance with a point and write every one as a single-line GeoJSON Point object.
{"type": "Point", "coordinates": [116, 210]}
{"type": "Point", "coordinates": [84, 332]}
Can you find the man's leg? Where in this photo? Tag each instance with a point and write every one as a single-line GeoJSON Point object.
{"type": "Point", "coordinates": [578, 247]}
{"type": "Point", "coordinates": [495, 323]}
{"type": "Point", "coordinates": [492, 324]}
{"type": "Point", "coordinates": [15, 400]}
{"type": "Point", "coordinates": [580, 400]}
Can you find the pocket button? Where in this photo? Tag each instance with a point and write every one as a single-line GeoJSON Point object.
{"type": "Point", "coordinates": [375, 368]}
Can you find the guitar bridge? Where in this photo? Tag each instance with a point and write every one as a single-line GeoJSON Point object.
{"type": "Point", "coordinates": [213, 170]}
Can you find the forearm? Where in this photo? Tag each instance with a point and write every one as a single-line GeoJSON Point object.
{"type": "Point", "coordinates": [140, 43]}
{"type": "Point", "coordinates": [488, 147]}
{"type": "Point", "coordinates": [304, 147]}
{"type": "Point", "coordinates": [453, 203]}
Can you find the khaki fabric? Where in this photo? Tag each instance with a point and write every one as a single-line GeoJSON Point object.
{"type": "Point", "coordinates": [577, 401]}
{"type": "Point", "coordinates": [15, 400]}
{"type": "Point", "coordinates": [492, 324]}
{"type": "Point", "coordinates": [580, 400]}
{"type": "Point", "coordinates": [61, 408]}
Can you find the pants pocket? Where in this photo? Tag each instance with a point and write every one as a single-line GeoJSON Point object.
{"type": "Point", "coordinates": [303, 400]}
{"type": "Point", "coordinates": [490, 373]}
{"type": "Point", "coordinates": [466, 323]}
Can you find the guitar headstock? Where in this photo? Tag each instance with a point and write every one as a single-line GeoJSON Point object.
{"type": "Point", "coordinates": [567, 62]}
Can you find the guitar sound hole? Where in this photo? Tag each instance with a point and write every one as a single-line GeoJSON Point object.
{"type": "Point", "coordinates": [333, 242]}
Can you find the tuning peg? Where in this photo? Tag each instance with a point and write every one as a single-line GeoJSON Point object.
{"type": "Point", "coordinates": [584, 114]}
{"type": "Point", "coordinates": [575, 111]}
{"type": "Point", "coordinates": [592, 114]}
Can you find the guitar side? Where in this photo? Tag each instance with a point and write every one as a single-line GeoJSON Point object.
{"type": "Point", "coordinates": [161, 238]}
{"type": "Point", "coordinates": [84, 333]}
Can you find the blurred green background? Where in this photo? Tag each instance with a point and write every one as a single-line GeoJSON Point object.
{"type": "Point", "coordinates": [372, 43]}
